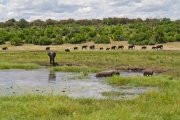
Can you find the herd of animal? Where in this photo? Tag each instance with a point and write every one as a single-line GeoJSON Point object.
{"type": "Point", "coordinates": [120, 47]}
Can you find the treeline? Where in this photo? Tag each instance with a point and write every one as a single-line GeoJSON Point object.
{"type": "Point", "coordinates": [136, 31]}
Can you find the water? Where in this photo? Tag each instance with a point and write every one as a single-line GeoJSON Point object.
{"type": "Point", "coordinates": [44, 82]}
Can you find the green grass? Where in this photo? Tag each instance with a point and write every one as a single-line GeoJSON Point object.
{"type": "Point", "coordinates": [18, 65]}
{"type": "Point", "coordinates": [160, 60]}
{"type": "Point", "coordinates": [162, 104]}
{"type": "Point", "coordinates": [157, 105]}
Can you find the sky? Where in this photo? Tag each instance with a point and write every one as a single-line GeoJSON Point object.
{"type": "Point", "coordinates": [88, 9]}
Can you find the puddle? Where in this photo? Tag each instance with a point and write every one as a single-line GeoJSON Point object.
{"type": "Point", "coordinates": [44, 82]}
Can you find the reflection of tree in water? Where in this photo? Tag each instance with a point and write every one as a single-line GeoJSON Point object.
{"type": "Point", "coordinates": [52, 76]}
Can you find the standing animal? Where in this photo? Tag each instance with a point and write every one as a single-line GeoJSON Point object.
{"type": "Point", "coordinates": [5, 48]}
{"type": "Point", "coordinates": [84, 47]}
{"type": "Point", "coordinates": [113, 48]}
{"type": "Point", "coordinates": [67, 50]}
{"type": "Point", "coordinates": [131, 47]}
{"type": "Point", "coordinates": [52, 56]}
{"type": "Point", "coordinates": [121, 47]}
{"type": "Point", "coordinates": [75, 48]}
{"type": "Point", "coordinates": [154, 48]}
{"type": "Point", "coordinates": [159, 47]}
{"type": "Point", "coordinates": [101, 48]}
{"type": "Point", "coordinates": [143, 47]}
{"type": "Point", "coordinates": [47, 48]}
{"type": "Point", "coordinates": [148, 72]}
{"type": "Point", "coordinates": [107, 48]}
{"type": "Point", "coordinates": [92, 47]}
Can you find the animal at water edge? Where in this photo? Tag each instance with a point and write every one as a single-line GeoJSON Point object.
{"type": "Point", "coordinates": [131, 47]}
{"type": "Point", "coordinates": [121, 47]}
{"type": "Point", "coordinates": [75, 48]}
{"type": "Point", "coordinates": [148, 72]}
{"type": "Point", "coordinates": [5, 48]}
{"type": "Point", "coordinates": [113, 48]}
{"type": "Point", "coordinates": [67, 50]}
{"type": "Point", "coordinates": [84, 47]}
{"type": "Point", "coordinates": [52, 56]}
{"type": "Point", "coordinates": [92, 47]}
{"type": "Point", "coordinates": [47, 48]}
{"type": "Point", "coordinates": [143, 47]}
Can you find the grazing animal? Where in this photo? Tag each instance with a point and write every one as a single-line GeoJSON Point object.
{"type": "Point", "coordinates": [148, 72]}
{"type": "Point", "coordinates": [107, 48]}
{"type": "Point", "coordinates": [121, 47]}
{"type": "Point", "coordinates": [159, 47]}
{"type": "Point", "coordinates": [67, 50]}
{"type": "Point", "coordinates": [107, 73]}
{"type": "Point", "coordinates": [84, 47]}
{"type": "Point", "coordinates": [143, 47]}
{"type": "Point", "coordinates": [75, 48]}
{"type": "Point", "coordinates": [131, 47]}
{"type": "Point", "coordinates": [52, 56]}
{"type": "Point", "coordinates": [101, 48]}
{"type": "Point", "coordinates": [154, 48]}
{"type": "Point", "coordinates": [92, 47]}
{"type": "Point", "coordinates": [47, 48]}
{"type": "Point", "coordinates": [4, 48]}
{"type": "Point", "coordinates": [113, 48]}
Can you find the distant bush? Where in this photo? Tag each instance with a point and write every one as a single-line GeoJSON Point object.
{"type": "Point", "coordinates": [78, 38]}
{"type": "Point", "coordinates": [102, 39]}
{"type": "Point", "coordinates": [16, 41]}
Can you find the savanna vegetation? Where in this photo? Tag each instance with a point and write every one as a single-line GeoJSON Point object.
{"type": "Point", "coordinates": [135, 31]}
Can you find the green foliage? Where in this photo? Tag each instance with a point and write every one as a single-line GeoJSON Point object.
{"type": "Point", "coordinates": [102, 39]}
{"type": "Point", "coordinates": [78, 38]}
{"type": "Point", "coordinates": [16, 41]}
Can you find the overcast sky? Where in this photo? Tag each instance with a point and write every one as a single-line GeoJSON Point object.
{"type": "Point", "coordinates": [87, 9]}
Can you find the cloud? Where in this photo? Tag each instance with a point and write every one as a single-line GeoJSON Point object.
{"type": "Point", "coordinates": [81, 9]}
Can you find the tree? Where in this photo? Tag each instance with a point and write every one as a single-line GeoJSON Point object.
{"type": "Point", "coordinates": [22, 23]}
{"type": "Point", "coordinates": [16, 41]}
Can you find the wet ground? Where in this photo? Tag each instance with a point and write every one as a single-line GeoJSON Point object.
{"type": "Point", "coordinates": [45, 82]}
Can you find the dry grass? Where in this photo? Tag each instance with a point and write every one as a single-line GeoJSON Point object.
{"type": "Point", "coordinates": [29, 47]}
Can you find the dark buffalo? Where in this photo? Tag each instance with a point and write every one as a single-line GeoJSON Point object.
{"type": "Point", "coordinates": [113, 48]}
{"type": "Point", "coordinates": [84, 47]}
{"type": "Point", "coordinates": [52, 56]}
{"type": "Point", "coordinates": [5, 48]}
{"type": "Point", "coordinates": [47, 48]}
{"type": "Point", "coordinates": [101, 48]}
{"type": "Point", "coordinates": [143, 47]}
{"type": "Point", "coordinates": [121, 47]}
{"type": "Point", "coordinates": [107, 48]}
{"type": "Point", "coordinates": [131, 47]}
{"type": "Point", "coordinates": [92, 47]}
{"type": "Point", "coordinates": [154, 48]}
{"type": "Point", "coordinates": [67, 50]}
{"type": "Point", "coordinates": [148, 72]}
{"type": "Point", "coordinates": [107, 73]}
{"type": "Point", "coordinates": [75, 48]}
{"type": "Point", "coordinates": [159, 47]}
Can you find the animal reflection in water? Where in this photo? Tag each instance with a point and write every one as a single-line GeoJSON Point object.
{"type": "Point", "coordinates": [52, 76]}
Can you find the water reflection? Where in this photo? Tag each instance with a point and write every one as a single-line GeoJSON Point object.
{"type": "Point", "coordinates": [52, 76]}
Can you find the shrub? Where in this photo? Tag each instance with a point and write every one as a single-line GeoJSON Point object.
{"type": "Point", "coordinates": [16, 41]}
{"type": "Point", "coordinates": [102, 39]}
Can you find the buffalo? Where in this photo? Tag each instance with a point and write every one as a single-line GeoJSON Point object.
{"type": "Point", "coordinates": [92, 47]}
{"type": "Point", "coordinates": [107, 48]}
{"type": "Point", "coordinates": [148, 72]}
{"type": "Point", "coordinates": [154, 48]}
{"type": "Point", "coordinates": [67, 50]}
{"type": "Point", "coordinates": [143, 47]}
{"type": "Point", "coordinates": [107, 73]}
{"type": "Point", "coordinates": [121, 47]}
{"type": "Point", "coordinates": [131, 47]}
{"type": "Point", "coordinates": [75, 48]}
{"type": "Point", "coordinates": [5, 48]}
{"type": "Point", "coordinates": [101, 48]}
{"type": "Point", "coordinates": [52, 56]}
{"type": "Point", "coordinates": [159, 47]}
{"type": "Point", "coordinates": [47, 48]}
{"type": "Point", "coordinates": [84, 47]}
{"type": "Point", "coordinates": [113, 48]}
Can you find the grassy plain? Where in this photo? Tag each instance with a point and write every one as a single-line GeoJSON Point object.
{"type": "Point", "coordinates": [162, 104]}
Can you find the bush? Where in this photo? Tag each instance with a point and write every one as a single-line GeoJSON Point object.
{"type": "Point", "coordinates": [177, 37]}
{"type": "Point", "coordinates": [2, 40]}
{"type": "Point", "coordinates": [58, 40]}
{"type": "Point", "coordinates": [78, 38]}
{"type": "Point", "coordinates": [102, 39]}
{"type": "Point", "coordinates": [43, 41]}
{"type": "Point", "coordinates": [16, 41]}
